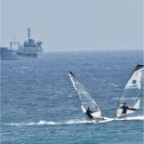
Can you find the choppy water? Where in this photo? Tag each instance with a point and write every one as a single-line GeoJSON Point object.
{"type": "Point", "coordinates": [40, 106]}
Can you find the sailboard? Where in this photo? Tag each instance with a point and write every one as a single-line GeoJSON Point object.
{"type": "Point", "coordinates": [132, 93]}
{"type": "Point", "coordinates": [87, 101]}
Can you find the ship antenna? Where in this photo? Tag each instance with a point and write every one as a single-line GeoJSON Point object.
{"type": "Point", "coordinates": [28, 33]}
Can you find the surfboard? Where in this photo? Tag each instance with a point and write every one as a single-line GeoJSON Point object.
{"type": "Point", "coordinates": [140, 118]}
{"type": "Point", "coordinates": [106, 119]}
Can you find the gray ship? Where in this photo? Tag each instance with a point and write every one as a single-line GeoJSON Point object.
{"type": "Point", "coordinates": [30, 48]}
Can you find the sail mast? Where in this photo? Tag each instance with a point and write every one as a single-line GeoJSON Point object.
{"type": "Point", "coordinates": [85, 98]}
{"type": "Point", "coordinates": [29, 32]}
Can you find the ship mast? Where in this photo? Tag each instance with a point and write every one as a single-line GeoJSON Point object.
{"type": "Point", "coordinates": [28, 34]}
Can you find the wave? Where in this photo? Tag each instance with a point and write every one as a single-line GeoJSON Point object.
{"type": "Point", "coordinates": [69, 122]}
{"type": "Point", "coordinates": [43, 122]}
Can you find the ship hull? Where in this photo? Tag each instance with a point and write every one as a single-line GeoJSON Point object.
{"type": "Point", "coordinates": [7, 54]}
{"type": "Point", "coordinates": [28, 55]}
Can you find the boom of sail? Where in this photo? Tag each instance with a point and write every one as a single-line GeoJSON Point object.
{"type": "Point", "coordinates": [132, 91]}
{"type": "Point", "coordinates": [85, 98]}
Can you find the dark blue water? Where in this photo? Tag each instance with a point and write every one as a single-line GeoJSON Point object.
{"type": "Point", "coordinates": [40, 106]}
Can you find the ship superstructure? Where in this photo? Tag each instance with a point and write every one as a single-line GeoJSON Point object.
{"type": "Point", "coordinates": [30, 48]}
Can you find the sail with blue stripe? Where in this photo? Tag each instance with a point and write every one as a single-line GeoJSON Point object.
{"type": "Point", "coordinates": [132, 93]}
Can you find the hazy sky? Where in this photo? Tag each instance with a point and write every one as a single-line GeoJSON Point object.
{"type": "Point", "coordinates": [74, 24]}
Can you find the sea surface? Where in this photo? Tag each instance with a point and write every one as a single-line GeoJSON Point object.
{"type": "Point", "coordinates": [40, 106]}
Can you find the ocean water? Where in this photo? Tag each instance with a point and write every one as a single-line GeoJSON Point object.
{"type": "Point", "coordinates": [40, 106]}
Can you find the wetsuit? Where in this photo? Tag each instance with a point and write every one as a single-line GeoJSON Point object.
{"type": "Point", "coordinates": [125, 108]}
{"type": "Point", "coordinates": [88, 112]}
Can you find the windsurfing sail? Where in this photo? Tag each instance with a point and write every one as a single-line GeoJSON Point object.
{"type": "Point", "coordinates": [132, 91]}
{"type": "Point", "coordinates": [85, 98]}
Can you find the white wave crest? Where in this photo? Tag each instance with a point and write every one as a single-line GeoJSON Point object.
{"type": "Point", "coordinates": [43, 122]}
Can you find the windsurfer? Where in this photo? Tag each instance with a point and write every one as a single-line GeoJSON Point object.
{"type": "Point", "coordinates": [125, 107]}
{"type": "Point", "coordinates": [89, 113]}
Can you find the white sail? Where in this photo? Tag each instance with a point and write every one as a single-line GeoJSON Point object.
{"type": "Point", "coordinates": [132, 89]}
{"type": "Point", "coordinates": [85, 98]}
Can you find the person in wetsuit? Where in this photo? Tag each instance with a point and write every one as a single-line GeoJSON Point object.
{"type": "Point", "coordinates": [125, 107]}
{"type": "Point", "coordinates": [89, 113]}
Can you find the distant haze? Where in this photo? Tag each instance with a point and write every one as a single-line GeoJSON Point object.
{"type": "Point", "coordinates": [68, 25]}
